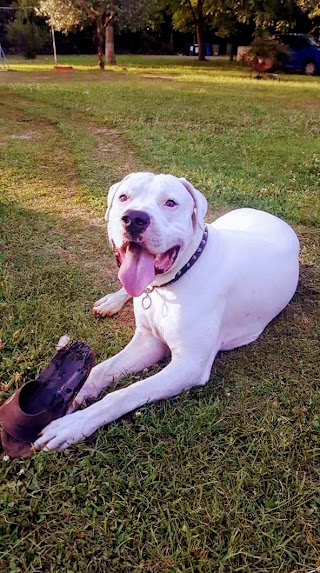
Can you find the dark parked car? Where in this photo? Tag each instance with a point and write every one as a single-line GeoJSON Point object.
{"type": "Point", "coordinates": [304, 53]}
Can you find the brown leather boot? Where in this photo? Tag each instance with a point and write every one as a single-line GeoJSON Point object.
{"type": "Point", "coordinates": [37, 403]}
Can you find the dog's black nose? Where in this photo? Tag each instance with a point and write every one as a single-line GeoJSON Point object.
{"type": "Point", "coordinates": [135, 221]}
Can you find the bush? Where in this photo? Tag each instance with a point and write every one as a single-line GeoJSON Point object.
{"type": "Point", "coordinates": [27, 36]}
{"type": "Point", "coordinates": [267, 49]}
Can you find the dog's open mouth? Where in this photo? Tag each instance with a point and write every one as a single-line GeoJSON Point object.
{"type": "Point", "coordinates": [138, 267]}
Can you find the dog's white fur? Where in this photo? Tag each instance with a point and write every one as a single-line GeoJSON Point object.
{"type": "Point", "coordinates": [246, 275]}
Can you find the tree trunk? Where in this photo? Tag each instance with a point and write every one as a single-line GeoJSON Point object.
{"type": "Point", "coordinates": [110, 55]}
{"type": "Point", "coordinates": [199, 30]}
{"type": "Point", "coordinates": [99, 38]}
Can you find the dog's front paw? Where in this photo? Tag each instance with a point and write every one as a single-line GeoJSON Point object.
{"type": "Point", "coordinates": [63, 432]}
{"type": "Point", "coordinates": [92, 387]}
{"type": "Point", "coordinates": [111, 303]}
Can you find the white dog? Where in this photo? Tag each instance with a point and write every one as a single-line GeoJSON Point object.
{"type": "Point", "coordinates": [196, 289]}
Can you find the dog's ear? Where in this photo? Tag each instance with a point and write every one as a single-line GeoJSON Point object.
{"type": "Point", "coordinates": [200, 202]}
{"type": "Point", "coordinates": [111, 194]}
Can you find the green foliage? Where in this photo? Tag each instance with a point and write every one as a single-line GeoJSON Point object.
{"type": "Point", "coordinates": [264, 47]}
{"type": "Point", "coordinates": [213, 13]}
{"type": "Point", "coordinates": [224, 16]}
{"type": "Point", "coordinates": [312, 7]}
{"type": "Point", "coordinates": [102, 14]}
{"type": "Point", "coordinates": [26, 32]}
{"type": "Point", "coordinates": [62, 15]}
{"type": "Point", "coordinates": [275, 15]}
{"type": "Point", "coordinates": [65, 15]}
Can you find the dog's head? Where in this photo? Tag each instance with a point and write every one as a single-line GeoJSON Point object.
{"type": "Point", "coordinates": [151, 221]}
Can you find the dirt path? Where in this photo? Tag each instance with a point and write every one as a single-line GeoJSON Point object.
{"type": "Point", "coordinates": [13, 76]}
{"type": "Point", "coordinates": [42, 182]}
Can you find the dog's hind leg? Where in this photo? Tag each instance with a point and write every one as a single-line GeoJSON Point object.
{"type": "Point", "coordinates": [111, 303]}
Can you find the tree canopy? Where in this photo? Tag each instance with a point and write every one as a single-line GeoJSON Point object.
{"type": "Point", "coordinates": [66, 15]}
{"type": "Point", "coordinates": [222, 17]}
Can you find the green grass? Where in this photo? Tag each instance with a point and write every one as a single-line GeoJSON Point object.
{"type": "Point", "coordinates": [89, 62]}
{"type": "Point", "coordinates": [220, 479]}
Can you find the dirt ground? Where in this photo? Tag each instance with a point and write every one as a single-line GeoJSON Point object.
{"type": "Point", "coordinates": [12, 76]}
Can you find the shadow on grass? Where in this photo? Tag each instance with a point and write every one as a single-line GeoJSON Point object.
{"type": "Point", "coordinates": [54, 269]}
{"type": "Point", "coordinates": [52, 272]}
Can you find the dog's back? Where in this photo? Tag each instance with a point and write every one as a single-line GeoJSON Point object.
{"type": "Point", "coordinates": [262, 225]}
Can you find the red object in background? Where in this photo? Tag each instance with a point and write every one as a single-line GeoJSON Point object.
{"type": "Point", "coordinates": [262, 65]}
{"type": "Point", "coordinates": [63, 67]}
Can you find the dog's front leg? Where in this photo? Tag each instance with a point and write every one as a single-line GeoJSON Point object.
{"type": "Point", "coordinates": [181, 374]}
{"type": "Point", "coordinates": [142, 352]}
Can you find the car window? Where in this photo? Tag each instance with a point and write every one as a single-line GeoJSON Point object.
{"type": "Point", "coordinates": [293, 42]}
{"type": "Point", "coordinates": [297, 42]}
{"type": "Point", "coordinates": [312, 42]}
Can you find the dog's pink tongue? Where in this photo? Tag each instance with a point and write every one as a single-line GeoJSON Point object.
{"type": "Point", "coordinates": [137, 270]}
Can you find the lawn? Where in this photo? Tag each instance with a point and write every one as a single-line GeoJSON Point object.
{"type": "Point", "coordinates": [221, 479]}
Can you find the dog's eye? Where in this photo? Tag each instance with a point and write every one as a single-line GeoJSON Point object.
{"type": "Point", "coordinates": [171, 203]}
{"type": "Point", "coordinates": [123, 198]}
